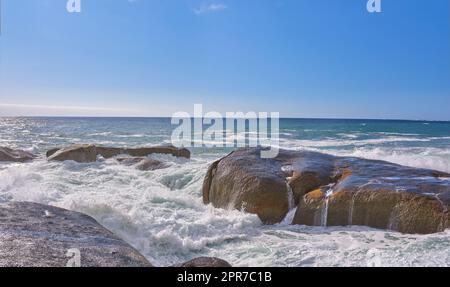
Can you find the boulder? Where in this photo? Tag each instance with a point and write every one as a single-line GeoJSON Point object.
{"type": "Point", "coordinates": [243, 181]}
{"type": "Point", "coordinates": [142, 163]}
{"type": "Point", "coordinates": [82, 153]}
{"type": "Point", "coordinates": [36, 235]}
{"type": "Point", "coordinates": [170, 150]}
{"type": "Point", "coordinates": [205, 262]}
{"type": "Point", "coordinates": [151, 164]}
{"type": "Point", "coordinates": [380, 195]}
{"type": "Point", "coordinates": [330, 190]}
{"type": "Point", "coordinates": [7, 154]}
{"type": "Point", "coordinates": [85, 153]}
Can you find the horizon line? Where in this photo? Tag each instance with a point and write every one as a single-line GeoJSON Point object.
{"type": "Point", "coordinates": [281, 118]}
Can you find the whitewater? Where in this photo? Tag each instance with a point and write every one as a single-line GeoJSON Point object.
{"type": "Point", "coordinates": [161, 212]}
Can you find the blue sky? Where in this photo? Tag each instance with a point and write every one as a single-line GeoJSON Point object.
{"type": "Point", "coordinates": [302, 58]}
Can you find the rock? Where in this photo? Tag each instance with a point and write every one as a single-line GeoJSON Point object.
{"type": "Point", "coordinates": [129, 161]}
{"type": "Point", "coordinates": [36, 235]}
{"type": "Point", "coordinates": [243, 181]}
{"type": "Point", "coordinates": [82, 153]}
{"type": "Point", "coordinates": [7, 154]}
{"type": "Point", "coordinates": [142, 163]}
{"type": "Point", "coordinates": [205, 262]}
{"type": "Point", "coordinates": [151, 164]}
{"type": "Point", "coordinates": [331, 191]}
{"type": "Point", "coordinates": [89, 153]}
{"type": "Point", "coordinates": [380, 195]}
{"type": "Point", "coordinates": [109, 152]}
{"type": "Point", "coordinates": [170, 150]}
{"type": "Point", "coordinates": [52, 151]}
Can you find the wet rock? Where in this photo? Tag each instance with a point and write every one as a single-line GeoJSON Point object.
{"type": "Point", "coordinates": [205, 262]}
{"type": "Point", "coordinates": [243, 181]}
{"type": "Point", "coordinates": [7, 154]}
{"type": "Point", "coordinates": [88, 153]}
{"type": "Point", "coordinates": [170, 150]}
{"type": "Point", "coordinates": [82, 153]}
{"type": "Point", "coordinates": [52, 151]}
{"type": "Point", "coordinates": [130, 161]}
{"type": "Point", "coordinates": [151, 164]}
{"type": "Point", "coordinates": [143, 163]}
{"type": "Point", "coordinates": [36, 235]}
{"type": "Point", "coordinates": [331, 191]}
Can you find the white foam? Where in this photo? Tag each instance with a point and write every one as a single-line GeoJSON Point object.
{"type": "Point", "coordinates": [172, 225]}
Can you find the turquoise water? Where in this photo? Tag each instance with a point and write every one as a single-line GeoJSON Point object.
{"type": "Point", "coordinates": [161, 212]}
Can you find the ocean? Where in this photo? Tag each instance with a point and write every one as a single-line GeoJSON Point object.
{"type": "Point", "coordinates": [161, 212]}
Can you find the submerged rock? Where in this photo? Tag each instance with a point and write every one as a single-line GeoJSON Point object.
{"type": "Point", "coordinates": [142, 163]}
{"type": "Point", "coordinates": [36, 235]}
{"type": "Point", "coordinates": [150, 164]}
{"type": "Point", "coordinates": [85, 153]}
{"type": "Point", "coordinates": [331, 191]}
{"type": "Point", "coordinates": [204, 262]}
{"type": "Point", "coordinates": [7, 154]}
{"type": "Point", "coordinates": [130, 161]}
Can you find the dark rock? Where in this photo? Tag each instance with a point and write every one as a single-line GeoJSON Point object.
{"type": "Point", "coordinates": [129, 161]}
{"type": "Point", "coordinates": [170, 150]}
{"type": "Point", "coordinates": [331, 190]}
{"type": "Point", "coordinates": [205, 262]}
{"type": "Point", "coordinates": [36, 235]}
{"type": "Point", "coordinates": [142, 163]}
{"type": "Point", "coordinates": [151, 164]}
{"type": "Point", "coordinates": [50, 152]}
{"type": "Point", "coordinates": [7, 154]}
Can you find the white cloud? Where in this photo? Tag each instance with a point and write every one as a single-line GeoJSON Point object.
{"type": "Point", "coordinates": [210, 8]}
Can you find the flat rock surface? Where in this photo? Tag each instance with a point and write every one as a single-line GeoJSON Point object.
{"type": "Point", "coordinates": [36, 235]}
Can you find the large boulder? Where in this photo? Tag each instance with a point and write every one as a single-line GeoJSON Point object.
{"type": "Point", "coordinates": [7, 154]}
{"type": "Point", "coordinates": [85, 153]}
{"type": "Point", "coordinates": [36, 235]}
{"type": "Point", "coordinates": [331, 191]}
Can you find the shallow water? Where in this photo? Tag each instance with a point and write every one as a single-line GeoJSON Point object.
{"type": "Point", "coordinates": [161, 212]}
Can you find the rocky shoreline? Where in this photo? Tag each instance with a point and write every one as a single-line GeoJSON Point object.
{"type": "Point", "coordinates": [37, 235]}
{"type": "Point", "coordinates": [301, 187]}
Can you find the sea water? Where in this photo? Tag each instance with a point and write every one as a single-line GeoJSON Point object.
{"type": "Point", "coordinates": [161, 212]}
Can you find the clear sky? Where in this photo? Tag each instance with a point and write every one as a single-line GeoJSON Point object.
{"type": "Point", "coordinates": [302, 58]}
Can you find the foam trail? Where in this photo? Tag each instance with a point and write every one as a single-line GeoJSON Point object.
{"type": "Point", "coordinates": [324, 215]}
